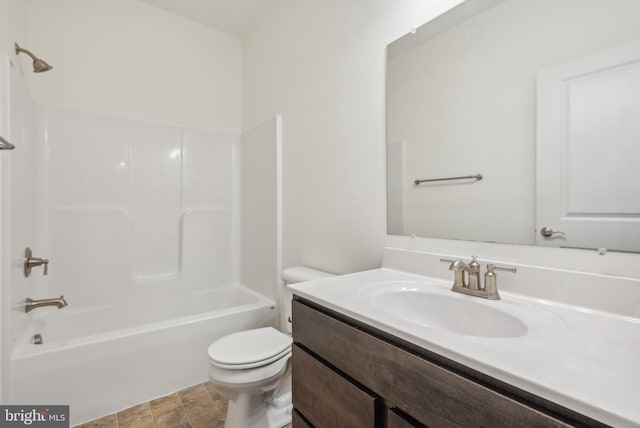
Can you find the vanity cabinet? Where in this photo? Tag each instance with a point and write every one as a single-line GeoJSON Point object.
{"type": "Point", "coordinates": [394, 420]}
{"type": "Point", "coordinates": [325, 397]}
{"type": "Point", "coordinates": [349, 374]}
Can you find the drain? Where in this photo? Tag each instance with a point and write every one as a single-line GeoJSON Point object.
{"type": "Point", "coordinates": [37, 339]}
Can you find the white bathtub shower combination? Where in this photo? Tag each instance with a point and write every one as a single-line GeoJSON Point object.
{"type": "Point", "coordinates": [101, 360]}
{"type": "Point", "coordinates": [141, 224]}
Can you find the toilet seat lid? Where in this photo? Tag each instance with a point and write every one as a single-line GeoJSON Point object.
{"type": "Point", "coordinates": [248, 349]}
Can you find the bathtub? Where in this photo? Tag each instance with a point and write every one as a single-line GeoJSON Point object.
{"type": "Point", "coordinates": [103, 359]}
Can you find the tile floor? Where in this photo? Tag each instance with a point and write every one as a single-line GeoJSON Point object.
{"type": "Point", "coordinates": [198, 406]}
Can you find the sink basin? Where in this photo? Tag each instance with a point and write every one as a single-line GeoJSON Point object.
{"type": "Point", "coordinates": [435, 306]}
{"type": "Point", "coordinates": [453, 313]}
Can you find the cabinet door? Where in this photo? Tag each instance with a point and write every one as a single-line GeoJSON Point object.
{"type": "Point", "coordinates": [297, 421]}
{"type": "Point", "coordinates": [326, 399]}
{"type": "Point", "coordinates": [394, 420]}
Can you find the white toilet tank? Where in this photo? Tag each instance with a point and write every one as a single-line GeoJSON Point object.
{"type": "Point", "coordinates": [294, 275]}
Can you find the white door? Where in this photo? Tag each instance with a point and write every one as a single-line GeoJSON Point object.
{"type": "Point", "coordinates": [588, 152]}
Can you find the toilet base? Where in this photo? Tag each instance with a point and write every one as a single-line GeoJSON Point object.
{"type": "Point", "coordinates": [252, 411]}
{"type": "Point", "coordinates": [279, 411]}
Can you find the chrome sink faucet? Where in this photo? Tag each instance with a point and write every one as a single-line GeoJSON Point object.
{"type": "Point", "coordinates": [466, 278]}
{"type": "Point", "coordinates": [30, 304]}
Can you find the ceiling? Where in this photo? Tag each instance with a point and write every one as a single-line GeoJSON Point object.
{"type": "Point", "coordinates": [231, 16]}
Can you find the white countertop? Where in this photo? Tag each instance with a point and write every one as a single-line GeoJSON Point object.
{"type": "Point", "coordinates": [583, 359]}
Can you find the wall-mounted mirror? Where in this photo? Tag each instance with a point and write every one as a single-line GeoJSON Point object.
{"type": "Point", "coordinates": [537, 102]}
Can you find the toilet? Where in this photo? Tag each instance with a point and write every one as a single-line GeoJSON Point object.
{"type": "Point", "coordinates": [251, 368]}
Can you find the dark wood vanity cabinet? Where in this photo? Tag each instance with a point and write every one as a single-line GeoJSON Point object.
{"type": "Point", "coordinates": [327, 399]}
{"type": "Point", "coordinates": [348, 374]}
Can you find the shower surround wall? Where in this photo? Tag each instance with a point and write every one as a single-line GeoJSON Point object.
{"type": "Point", "coordinates": [135, 210]}
{"type": "Point", "coordinates": [18, 178]}
{"type": "Point", "coordinates": [141, 224]}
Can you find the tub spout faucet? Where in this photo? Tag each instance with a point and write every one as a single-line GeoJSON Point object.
{"type": "Point", "coordinates": [30, 304]}
{"type": "Point", "coordinates": [31, 262]}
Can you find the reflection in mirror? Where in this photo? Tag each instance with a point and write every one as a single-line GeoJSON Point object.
{"type": "Point", "coordinates": [541, 97]}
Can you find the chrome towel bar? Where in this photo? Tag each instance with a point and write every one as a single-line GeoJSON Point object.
{"type": "Point", "coordinates": [5, 145]}
{"type": "Point", "coordinates": [477, 177]}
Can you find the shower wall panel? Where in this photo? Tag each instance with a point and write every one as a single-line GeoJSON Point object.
{"type": "Point", "coordinates": [154, 202]}
{"type": "Point", "coordinates": [17, 209]}
{"type": "Point", "coordinates": [135, 207]}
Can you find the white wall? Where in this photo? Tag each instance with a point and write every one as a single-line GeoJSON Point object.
{"type": "Point", "coordinates": [17, 173]}
{"type": "Point", "coordinates": [260, 208]}
{"type": "Point", "coordinates": [4, 233]}
{"type": "Point", "coordinates": [13, 24]}
{"type": "Point", "coordinates": [465, 103]}
{"type": "Point", "coordinates": [128, 59]}
{"type": "Point", "coordinates": [321, 64]}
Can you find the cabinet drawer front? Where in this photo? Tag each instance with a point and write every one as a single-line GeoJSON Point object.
{"type": "Point", "coordinates": [430, 393]}
{"type": "Point", "coordinates": [298, 421]}
{"type": "Point", "coordinates": [327, 399]}
{"type": "Point", "coordinates": [396, 421]}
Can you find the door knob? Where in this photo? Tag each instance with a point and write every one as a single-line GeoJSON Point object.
{"type": "Point", "coordinates": [547, 232]}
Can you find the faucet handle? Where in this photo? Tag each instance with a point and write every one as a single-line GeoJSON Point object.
{"type": "Point", "coordinates": [474, 274]}
{"type": "Point", "coordinates": [490, 283]}
{"type": "Point", "coordinates": [473, 264]}
{"type": "Point", "coordinates": [491, 268]}
{"type": "Point", "coordinates": [31, 262]}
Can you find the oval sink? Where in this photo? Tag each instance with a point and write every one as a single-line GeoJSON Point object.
{"type": "Point", "coordinates": [454, 313]}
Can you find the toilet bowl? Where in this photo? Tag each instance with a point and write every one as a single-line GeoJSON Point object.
{"type": "Point", "coordinates": [251, 368]}
{"type": "Point", "coordinates": [246, 368]}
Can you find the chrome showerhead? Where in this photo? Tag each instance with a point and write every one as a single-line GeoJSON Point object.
{"type": "Point", "coordinates": [39, 65]}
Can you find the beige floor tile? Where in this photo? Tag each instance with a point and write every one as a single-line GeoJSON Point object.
{"type": "Point", "coordinates": [199, 406]}
{"type": "Point", "coordinates": [165, 404]}
{"type": "Point", "coordinates": [196, 400]}
{"type": "Point", "coordinates": [206, 420]}
{"type": "Point", "coordinates": [171, 418]}
{"type": "Point", "coordinates": [136, 417]}
{"type": "Point", "coordinates": [220, 408]}
{"type": "Point", "coordinates": [105, 422]}
{"type": "Point", "coordinates": [214, 394]}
